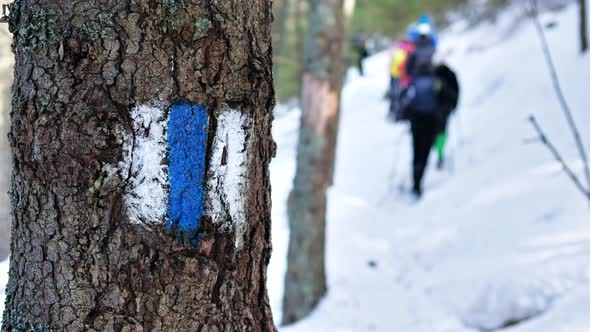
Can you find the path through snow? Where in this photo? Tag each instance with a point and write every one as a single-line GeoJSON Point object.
{"type": "Point", "coordinates": [500, 236]}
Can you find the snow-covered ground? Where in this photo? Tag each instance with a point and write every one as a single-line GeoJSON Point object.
{"type": "Point", "coordinates": [501, 235]}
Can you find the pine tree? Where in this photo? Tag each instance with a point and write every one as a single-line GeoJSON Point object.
{"type": "Point", "coordinates": [141, 138]}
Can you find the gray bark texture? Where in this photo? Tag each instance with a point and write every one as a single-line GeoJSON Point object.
{"type": "Point", "coordinates": [78, 263]}
{"type": "Point", "coordinates": [583, 26]}
{"type": "Point", "coordinates": [305, 282]}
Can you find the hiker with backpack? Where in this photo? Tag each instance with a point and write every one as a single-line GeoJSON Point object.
{"type": "Point", "coordinates": [428, 102]}
{"type": "Point", "coordinates": [421, 103]}
{"type": "Point", "coordinates": [423, 113]}
{"type": "Point", "coordinates": [399, 79]}
{"type": "Point", "coordinates": [418, 47]}
{"type": "Point", "coordinates": [359, 44]}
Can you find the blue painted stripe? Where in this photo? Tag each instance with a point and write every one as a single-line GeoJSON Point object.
{"type": "Point", "coordinates": [187, 148]}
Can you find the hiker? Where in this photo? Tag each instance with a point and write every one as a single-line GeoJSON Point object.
{"type": "Point", "coordinates": [420, 102]}
{"type": "Point", "coordinates": [448, 100]}
{"type": "Point", "coordinates": [424, 115]}
{"type": "Point", "coordinates": [360, 46]}
{"type": "Point", "coordinates": [421, 47]}
{"type": "Point", "coordinates": [424, 50]}
{"type": "Point", "coordinates": [399, 80]}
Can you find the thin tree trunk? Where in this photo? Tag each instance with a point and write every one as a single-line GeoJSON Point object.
{"type": "Point", "coordinates": [6, 69]}
{"type": "Point", "coordinates": [583, 26]}
{"type": "Point", "coordinates": [281, 40]}
{"type": "Point", "coordinates": [349, 7]}
{"type": "Point", "coordinates": [141, 142]}
{"type": "Point", "coordinates": [305, 282]}
{"type": "Point", "coordinates": [348, 12]}
{"type": "Point", "coordinates": [301, 26]}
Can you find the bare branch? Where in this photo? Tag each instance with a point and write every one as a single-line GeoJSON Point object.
{"type": "Point", "coordinates": [555, 78]}
{"type": "Point", "coordinates": [543, 138]}
{"type": "Point", "coordinates": [583, 27]}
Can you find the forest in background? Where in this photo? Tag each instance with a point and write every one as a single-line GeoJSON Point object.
{"type": "Point", "coordinates": [374, 18]}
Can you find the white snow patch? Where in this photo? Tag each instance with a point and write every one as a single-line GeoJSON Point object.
{"type": "Point", "coordinates": [567, 315]}
{"type": "Point", "coordinates": [503, 303]}
{"type": "Point", "coordinates": [228, 172]}
{"type": "Point", "coordinates": [147, 197]}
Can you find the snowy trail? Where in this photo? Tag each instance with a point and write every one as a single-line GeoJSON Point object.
{"type": "Point", "coordinates": [500, 236]}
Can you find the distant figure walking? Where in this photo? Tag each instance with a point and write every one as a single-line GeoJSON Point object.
{"type": "Point", "coordinates": [399, 79]}
{"type": "Point", "coordinates": [415, 50]}
{"type": "Point", "coordinates": [430, 99]}
{"type": "Point", "coordinates": [421, 103]}
{"type": "Point", "coordinates": [360, 46]}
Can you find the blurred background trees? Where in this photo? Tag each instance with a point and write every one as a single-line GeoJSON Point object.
{"type": "Point", "coordinates": [6, 65]}
{"type": "Point", "coordinates": [378, 19]}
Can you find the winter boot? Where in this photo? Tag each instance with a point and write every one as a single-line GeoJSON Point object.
{"type": "Point", "coordinates": [417, 193]}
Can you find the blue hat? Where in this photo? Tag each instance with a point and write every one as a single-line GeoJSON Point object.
{"type": "Point", "coordinates": [424, 19]}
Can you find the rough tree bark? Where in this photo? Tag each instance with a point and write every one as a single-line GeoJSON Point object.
{"type": "Point", "coordinates": [102, 87]}
{"type": "Point", "coordinates": [305, 282]}
{"type": "Point", "coordinates": [583, 26]}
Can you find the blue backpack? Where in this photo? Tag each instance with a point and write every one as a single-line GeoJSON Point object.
{"type": "Point", "coordinates": [423, 93]}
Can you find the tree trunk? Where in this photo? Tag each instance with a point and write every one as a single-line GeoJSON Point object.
{"type": "Point", "coordinates": [141, 142]}
{"type": "Point", "coordinates": [349, 6]}
{"type": "Point", "coordinates": [583, 26]}
{"type": "Point", "coordinates": [305, 282]}
{"type": "Point", "coordinates": [301, 25]}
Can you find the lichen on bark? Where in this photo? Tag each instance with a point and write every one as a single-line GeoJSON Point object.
{"type": "Point", "coordinates": [78, 263]}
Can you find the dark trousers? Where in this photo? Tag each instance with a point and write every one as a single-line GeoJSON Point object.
{"type": "Point", "coordinates": [445, 114]}
{"type": "Point", "coordinates": [363, 54]}
{"type": "Point", "coordinates": [425, 127]}
{"type": "Point", "coordinates": [394, 89]}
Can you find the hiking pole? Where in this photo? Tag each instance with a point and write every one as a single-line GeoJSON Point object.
{"type": "Point", "coordinates": [459, 121]}
{"type": "Point", "coordinates": [394, 169]}
{"type": "Point", "coordinates": [458, 141]}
